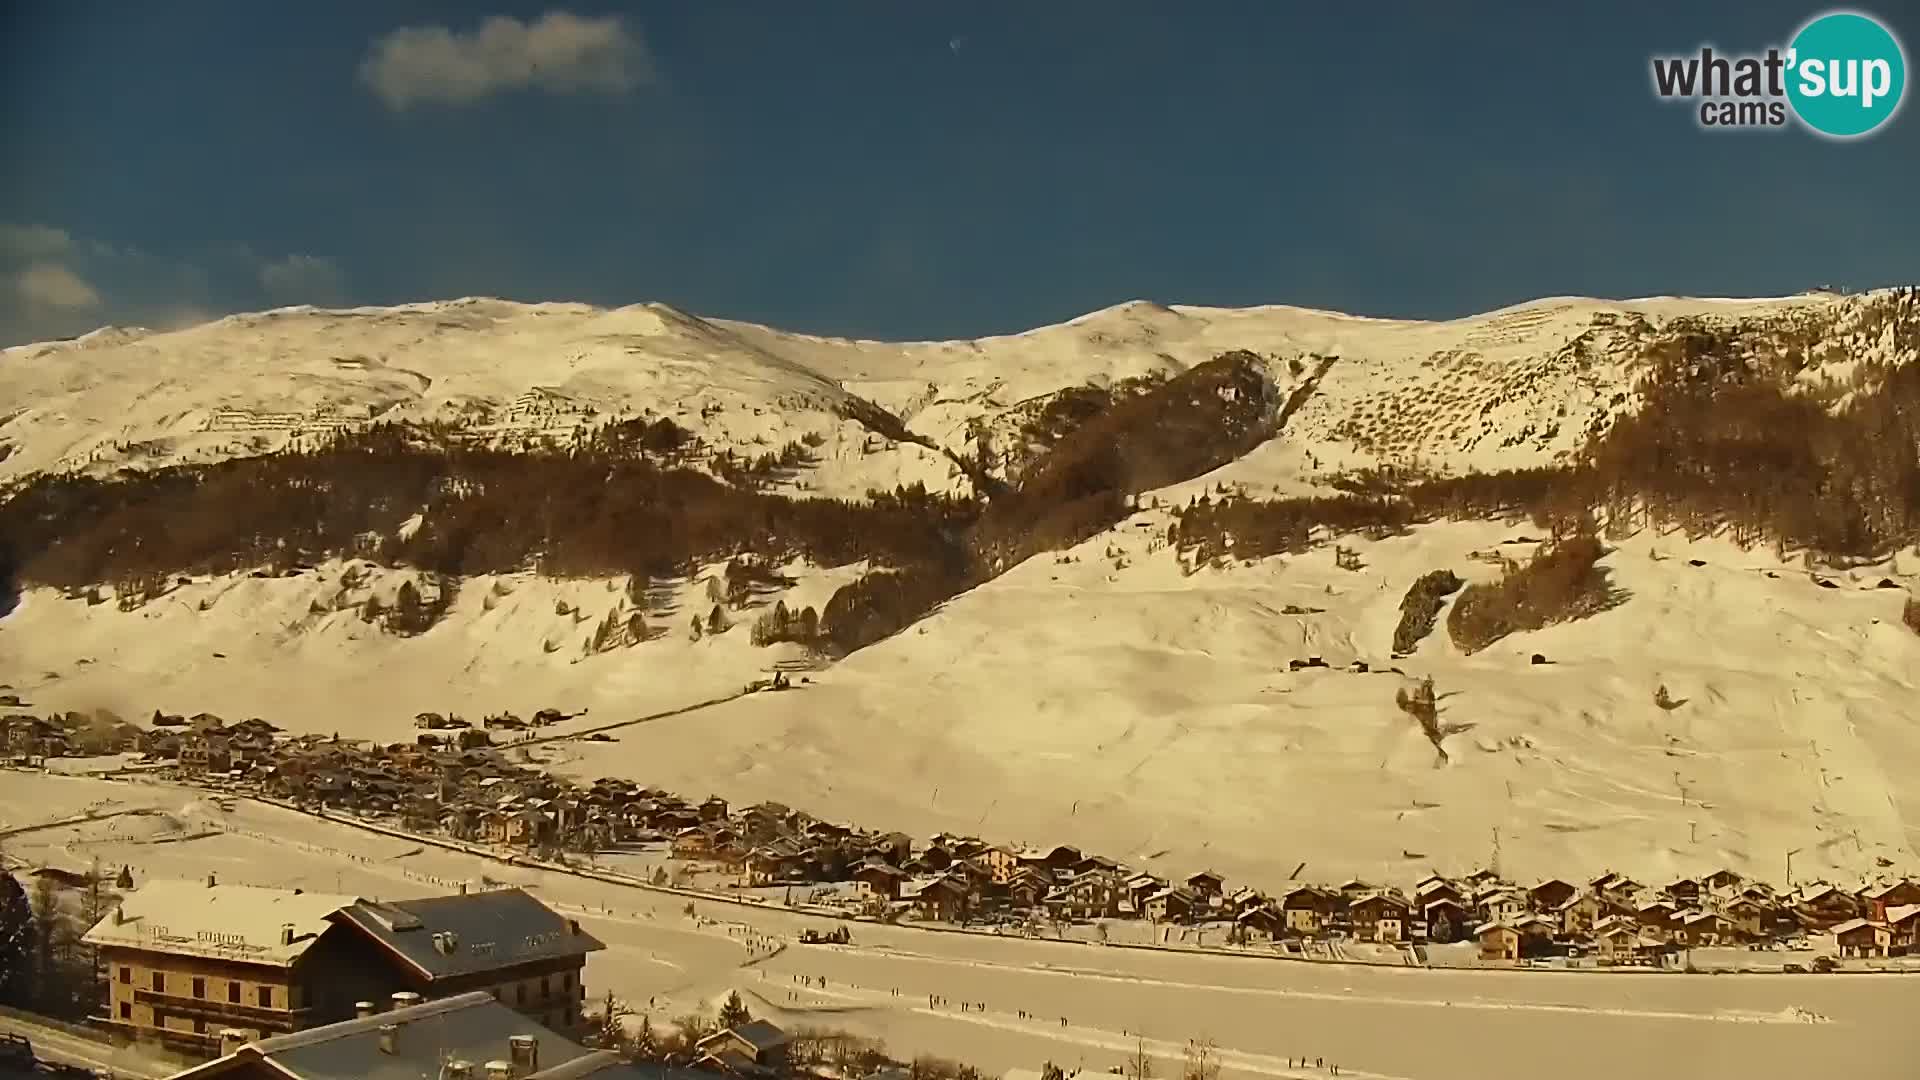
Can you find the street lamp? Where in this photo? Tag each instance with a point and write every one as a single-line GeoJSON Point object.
{"type": "Point", "coordinates": [1790, 856]}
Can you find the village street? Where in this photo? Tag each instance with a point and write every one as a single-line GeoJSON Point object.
{"type": "Point", "coordinates": [1382, 1022]}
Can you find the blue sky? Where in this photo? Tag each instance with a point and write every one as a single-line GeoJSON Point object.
{"type": "Point", "coordinates": [907, 170]}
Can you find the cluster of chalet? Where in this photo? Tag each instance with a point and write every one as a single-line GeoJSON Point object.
{"type": "Point", "coordinates": [28, 740]}
{"type": "Point", "coordinates": [1622, 921]}
{"type": "Point", "coordinates": [205, 744]}
{"type": "Point", "coordinates": [469, 791]}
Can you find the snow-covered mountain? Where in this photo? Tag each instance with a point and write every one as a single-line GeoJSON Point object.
{"type": "Point", "coordinates": [1510, 388]}
{"type": "Point", "coordinates": [1114, 694]}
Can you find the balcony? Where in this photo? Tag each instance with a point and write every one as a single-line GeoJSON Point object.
{"type": "Point", "coordinates": [225, 1011]}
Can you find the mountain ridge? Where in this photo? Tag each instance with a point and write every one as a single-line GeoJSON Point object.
{"type": "Point", "coordinates": [534, 373]}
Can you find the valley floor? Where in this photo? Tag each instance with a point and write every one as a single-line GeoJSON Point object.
{"type": "Point", "coordinates": [1374, 1022]}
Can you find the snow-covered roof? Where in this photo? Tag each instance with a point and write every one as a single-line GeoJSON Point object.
{"type": "Point", "coordinates": [235, 922]}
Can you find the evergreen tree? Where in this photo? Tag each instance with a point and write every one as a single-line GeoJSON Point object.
{"type": "Point", "coordinates": [645, 1044]}
{"type": "Point", "coordinates": [18, 935]}
{"type": "Point", "coordinates": [734, 1013]}
{"type": "Point", "coordinates": [95, 905]}
{"type": "Point", "coordinates": [51, 947]}
{"type": "Point", "coordinates": [610, 1033]}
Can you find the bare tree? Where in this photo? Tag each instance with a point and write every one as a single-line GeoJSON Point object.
{"type": "Point", "coordinates": [1139, 1064]}
{"type": "Point", "coordinates": [1203, 1061]}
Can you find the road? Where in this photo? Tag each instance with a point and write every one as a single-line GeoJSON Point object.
{"type": "Point", "coordinates": [52, 1044]}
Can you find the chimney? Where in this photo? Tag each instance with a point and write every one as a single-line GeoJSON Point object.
{"type": "Point", "coordinates": [389, 1038]}
{"type": "Point", "coordinates": [364, 1009]}
{"type": "Point", "coordinates": [405, 999]}
{"type": "Point", "coordinates": [211, 882]}
{"type": "Point", "coordinates": [119, 916]}
{"type": "Point", "coordinates": [573, 927]}
{"type": "Point", "coordinates": [499, 1070]}
{"type": "Point", "coordinates": [525, 1052]}
{"type": "Point", "coordinates": [231, 1039]}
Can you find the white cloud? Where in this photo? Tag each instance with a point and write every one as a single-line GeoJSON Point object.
{"type": "Point", "coordinates": [303, 279]}
{"type": "Point", "coordinates": [50, 285]}
{"type": "Point", "coordinates": [32, 241]}
{"type": "Point", "coordinates": [558, 53]}
{"type": "Point", "coordinates": [55, 284]}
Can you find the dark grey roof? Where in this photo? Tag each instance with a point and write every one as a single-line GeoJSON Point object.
{"type": "Point", "coordinates": [491, 930]}
{"type": "Point", "coordinates": [603, 1065]}
{"type": "Point", "coordinates": [761, 1035]}
{"type": "Point", "coordinates": [469, 1027]}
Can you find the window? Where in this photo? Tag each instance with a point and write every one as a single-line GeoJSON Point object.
{"type": "Point", "coordinates": [233, 993]}
{"type": "Point", "coordinates": [126, 1010]}
{"type": "Point", "coordinates": [199, 988]}
{"type": "Point", "coordinates": [520, 994]}
{"type": "Point", "coordinates": [159, 982]}
{"type": "Point", "coordinates": [546, 989]}
{"type": "Point", "coordinates": [266, 997]}
{"type": "Point", "coordinates": [126, 976]}
{"type": "Point", "coordinates": [199, 1027]}
{"type": "Point", "coordinates": [566, 980]}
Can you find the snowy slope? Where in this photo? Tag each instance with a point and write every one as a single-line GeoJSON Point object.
{"type": "Point", "coordinates": [1163, 720]}
{"type": "Point", "coordinates": [1145, 713]}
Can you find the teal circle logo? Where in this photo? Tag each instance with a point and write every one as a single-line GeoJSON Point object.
{"type": "Point", "coordinates": [1846, 74]}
